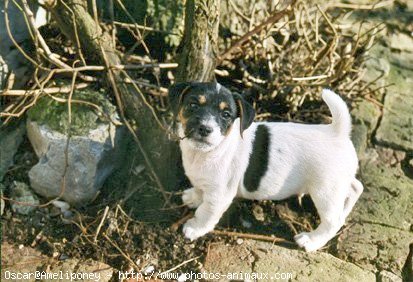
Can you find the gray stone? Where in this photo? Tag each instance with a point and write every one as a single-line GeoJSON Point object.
{"type": "Point", "coordinates": [377, 65]}
{"type": "Point", "coordinates": [379, 232]}
{"type": "Point", "coordinates": [401, 41]}
{"type": "Point", "coordinates": [91, 159]}
{"type": "Point", "coordinates": [383, 188]}
{"type": "Point", "coordinates": [261, 257]}
{"type": "Point", "coordinates": [26, 201]}
{"type": "Point", "coordinates": [387, 276]}
{"type": "Point", "coordinates": [374, 246]}
{"type": "Point", "coordinates": [365, 117]}
{"type": "Point", "coordinates": [11, 60]}
{"type": "Point", "coordinates": [402, 60]}
{"type": "Point", "coordinates": [10, 139]}
{"type": "Point", "coordinates": [396, 127]}
{"type": "Point", "coordinates": [366, 112]}
{"type": "Point", "coordinates": [359, 136]}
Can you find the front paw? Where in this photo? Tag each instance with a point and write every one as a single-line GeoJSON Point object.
{"type": "Point", "coordinates": [192, 198]}
{"type": "Point", "coordinates": [308, 242]}
{"type": "Point", "coordinates": [192, 230]}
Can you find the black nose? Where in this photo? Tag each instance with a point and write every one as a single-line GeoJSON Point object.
{"type": "Point", "coordinates": [204, 130]}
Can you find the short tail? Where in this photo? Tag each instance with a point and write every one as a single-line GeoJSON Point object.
{"type": "Point", "coordinates": [341, 117]}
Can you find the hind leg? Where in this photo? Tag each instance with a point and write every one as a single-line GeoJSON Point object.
{"type": "Point", "coordinates": [330, 209]}
{"type": "Point", "coordinates": [354, 193]}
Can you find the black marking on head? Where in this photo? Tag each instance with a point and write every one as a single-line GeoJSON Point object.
{"type": "Point", "coordinates": [176, 94]}
{"type": "Point", "coordinates": [246, 112]}
{"type": "Point", "coordinates": [203, 101]}
{"type": "Point", "coordinates": [258, 161]}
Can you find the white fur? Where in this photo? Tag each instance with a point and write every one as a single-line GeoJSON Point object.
{"type": "Point", "coordinates": [318, 160]}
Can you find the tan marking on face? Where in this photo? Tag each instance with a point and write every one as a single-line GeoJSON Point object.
{"type": "Point", "coordinates": [181, 117]}
{"type": "Point", "coordinates": [223, 105]}
{"type": "Point", "coordinates": [202, 99]}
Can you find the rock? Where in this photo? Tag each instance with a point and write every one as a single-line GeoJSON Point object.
{"type": "Point", "coordinates": [27, 261]}
{"type": "Point", "coordinates": [381, 219]}
{"type": "Point", "coordinates": [396, 127]}
{"type": "Point", "coordinates": [365, 117]}
{"type": "Point", "coordinates": [377, 65]}
{"type": "Point", "coordinates": [359, 136]}
{"type": "Point", "coordinates": [258, 213]}
{"type": "Point", "coordinates": [20, 192]}
{"type": "Point", "coordinates": [94, 150]}
{"type": "Point", "coordinates": [11, 60]}
{"type": "Point", "coordinates": [387, 276]}
{"type": "Point", "coordinates": [367, 113]}
{"type": "Point", "coordinates": [63, 206]}
{"type": "Point", "coordinates": [266, 258]}
{"type": "Point", "coordinates": [19, 260]}
{"type": "Point", "coordinates": [385, 186]}
{"type": "Point", "coordinates": [10, 139]}
{"type": "Point", "coordinates": [374, 246]}
{"type": "Point", "coordinates": [402, 60]}
{"type": "Point", "coordinates": [390, 157]}
{"type": "Point", "coordinates": [401, 41]}
{"type": "Point", "coordinates": [407, 270]}
{"type": "Point", "coordinates": [13, 64]}
{"type": "Point", "coordinates": [91, 159]}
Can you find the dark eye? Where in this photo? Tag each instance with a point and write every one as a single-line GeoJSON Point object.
{"type": "Point", "coordinates": [193, 106]}
{"type": "Point", "coordinates": [226, 114]}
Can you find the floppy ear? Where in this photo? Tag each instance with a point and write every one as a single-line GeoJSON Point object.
{"type": "Point", "coordinates": [176, 94]}
{"type": "Point", "coordinates": [246, 112]}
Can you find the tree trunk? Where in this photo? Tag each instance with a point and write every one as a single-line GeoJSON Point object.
{"type": "Point", "coordinates": [197, 61]}
{"type": "Point", "coordinates": [97, 46]}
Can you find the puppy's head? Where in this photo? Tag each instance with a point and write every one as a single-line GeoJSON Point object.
{"type": "Point", "coordinates": [207, 112]}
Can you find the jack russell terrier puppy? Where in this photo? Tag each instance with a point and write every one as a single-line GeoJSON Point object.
{"type": "Point", "coordinates": [226, 155]}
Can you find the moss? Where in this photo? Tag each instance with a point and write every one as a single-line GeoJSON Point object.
{"type": "Point", "coordinates": [55, 114]}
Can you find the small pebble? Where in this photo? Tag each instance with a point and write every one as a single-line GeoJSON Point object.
{"type": "Point", "coordinates": [68, 214]}
{"type": "Point", "coordinates": [246, 224]}
{"type": "Point", "coordinates": [182, 278]}
{"type": "Point", "coordinates": [63, 206]}
{"type": "Point", "coordinates": [63, 257]}
{"type": "Point", "coordinates": [258, 213]}
{"type": "Point", "coordinates": [149, 269]}
{"type": "Point", "coordinates": [240, 241]}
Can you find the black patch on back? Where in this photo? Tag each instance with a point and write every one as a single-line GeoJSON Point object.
{"type": "Point", "coordinates": [258, 162]}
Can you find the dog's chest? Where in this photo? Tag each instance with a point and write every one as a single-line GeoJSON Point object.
{"type": "Point", "coordinates": [204, 171]}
